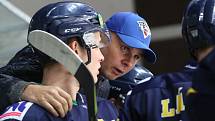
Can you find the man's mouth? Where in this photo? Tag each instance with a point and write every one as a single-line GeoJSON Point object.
{"type": "Point", "coordinates": [117, 71]}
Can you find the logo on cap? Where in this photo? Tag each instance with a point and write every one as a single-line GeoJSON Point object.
{"type": "Point", "coordinates": [144, 28]}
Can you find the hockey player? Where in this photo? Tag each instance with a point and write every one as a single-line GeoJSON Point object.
{"type": "Point", "coordinates": [131, 37]}
{"type": "Point", "coordinates": [199, 31]}
{"type": "Point", "coordinates": [81, 28]}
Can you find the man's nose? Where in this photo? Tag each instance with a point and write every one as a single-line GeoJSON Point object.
{"type": "Point", "coordinates": [128, 62]}
{"type": "Point", "coordinates": [101, 56]}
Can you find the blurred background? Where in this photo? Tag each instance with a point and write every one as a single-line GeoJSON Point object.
{"type": "Point", "coordinates": [163, 17]}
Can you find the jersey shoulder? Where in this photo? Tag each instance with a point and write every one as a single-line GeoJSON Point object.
{"type": "Point", "coordinates": [16, 111]}
{"type": "Point", "coordinates": [26, 111]}
{"type": "Point", "coordinates": [166, 81]}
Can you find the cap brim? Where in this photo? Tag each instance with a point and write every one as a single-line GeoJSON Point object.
{"type": "Point", "coordinates": [149, 55]}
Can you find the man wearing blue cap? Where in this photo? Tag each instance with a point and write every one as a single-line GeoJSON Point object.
{"type": "Point", "coordinates": [131, 37]}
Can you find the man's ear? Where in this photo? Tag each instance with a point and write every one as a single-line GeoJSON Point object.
{"type": "Point", "coordinates": [73, 44]}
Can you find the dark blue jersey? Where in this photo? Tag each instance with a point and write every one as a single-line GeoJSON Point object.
{"type": "Point", "coordinates": [27, 111]}
{"type": "Point", "coordinates": [204, 78]}
{"type": "Point", "coordinates": [201, 99]}
{"type": "Point", "coordinates": [160, 99]}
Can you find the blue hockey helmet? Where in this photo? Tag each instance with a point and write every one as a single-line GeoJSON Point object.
{"type": "Point", "coordinates": [198, 25]}
{"type": "Point", "coordinates": [71, 19]}
{"type": "Point", "coordinates": [122, 85]}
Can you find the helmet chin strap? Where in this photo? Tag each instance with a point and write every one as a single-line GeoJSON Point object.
{"type": "Point", "coordinates": [88, 55]}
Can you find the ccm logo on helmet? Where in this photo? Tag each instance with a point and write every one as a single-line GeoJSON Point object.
{"type": "Point", "coordinates": [72, 30]}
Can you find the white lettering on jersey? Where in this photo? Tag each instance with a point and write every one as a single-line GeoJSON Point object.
{"type": "Point", "coordinates": [16, 111]}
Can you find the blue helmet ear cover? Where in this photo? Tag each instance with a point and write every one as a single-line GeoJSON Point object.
{"type": "Point", "coordinates": [122, 85]}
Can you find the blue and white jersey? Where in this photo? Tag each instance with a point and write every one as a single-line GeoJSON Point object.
{"type": "Point", "coordinates": [160, 99]}
{"type": "Point", "coordinates": [16, 111]}
{"type": "Point", "coordinates": [27, 111]}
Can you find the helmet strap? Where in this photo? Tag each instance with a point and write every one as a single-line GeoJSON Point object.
{"type": "Point", "coordinates": [88, 55]}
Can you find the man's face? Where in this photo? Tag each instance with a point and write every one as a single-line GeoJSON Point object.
{"type": "Point", "coordinates": [118, 58]}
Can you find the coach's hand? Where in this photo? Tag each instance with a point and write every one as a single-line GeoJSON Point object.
{"type": "Point", "coordinates": [52, 98]}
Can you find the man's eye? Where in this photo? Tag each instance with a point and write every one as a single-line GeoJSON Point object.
{"type": "Point", "coordinates": [137, 57]}
{"type": "Point", "coordinates": [124, 49]}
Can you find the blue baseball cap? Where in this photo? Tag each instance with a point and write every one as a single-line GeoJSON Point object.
{"type": "Point", "coordinates": [133, 31]}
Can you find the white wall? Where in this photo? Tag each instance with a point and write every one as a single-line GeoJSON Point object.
{"type": "Point", "coordinates": [107, 7]}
